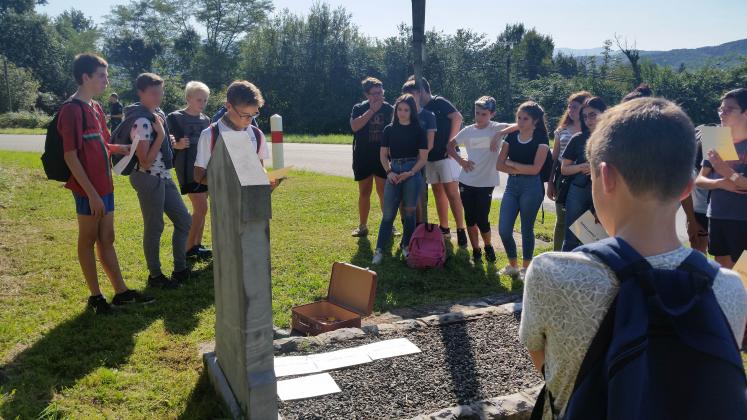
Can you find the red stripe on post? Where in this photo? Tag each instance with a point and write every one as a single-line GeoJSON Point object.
{"type": "Point", "coordinates": [277, 136]}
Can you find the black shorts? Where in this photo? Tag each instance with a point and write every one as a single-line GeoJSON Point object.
{"type": "Point", "coordinates": [367, 163]}
{"type": "Point", "coordinates": [727, 237]}
{"type": "Point", "coordinates": [476, 202]}
{"type": "Point", "coordinates": [702, 220]}
{"type": "Point", "coordinates": [193, 188]}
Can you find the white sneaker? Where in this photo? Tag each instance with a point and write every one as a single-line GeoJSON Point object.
{"type": "Point", "coordinates": [377, 257]}
{"type": "Point", "coordinates": [522, 273]}
{"type": "Point", "coordinates": [510, 271]}
{"type": "Point", "coordinates": [405, 252]}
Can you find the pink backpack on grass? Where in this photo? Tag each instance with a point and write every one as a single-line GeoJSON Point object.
{"type": "Point", "coordinates": [427, 249]}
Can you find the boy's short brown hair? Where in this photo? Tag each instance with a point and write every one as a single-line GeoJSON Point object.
{"type": "Point", "coordinates": [426, 84]}
{"type": "Point", "coordinates": [242, 92]}
{"type": "Point", "coordinates": [146, 80]}
{"type": "Point", "coordinates": [86, 64]}
{"type": "Point", "coordinates": [371, 82]}
{"type": "Point", "coordinates": [650, 142]}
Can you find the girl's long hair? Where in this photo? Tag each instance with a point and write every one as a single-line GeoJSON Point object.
{"type": "Point", "coordinates": [535, 111]}
{"type": "Point", "coordinates": [410, 101]}
{"type": "Point", "coordinates": [578, 97]}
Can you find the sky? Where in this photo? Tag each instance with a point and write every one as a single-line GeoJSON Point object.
{"type": "Point", "coordinates": [650, 24]}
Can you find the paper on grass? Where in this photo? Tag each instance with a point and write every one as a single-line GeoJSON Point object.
{"type": "Point", "coordinates": [249, 169]}
{"type": "Point", "coordinates": [340, 359]}
{"type": "Point", "coordinates": [718, 139]}
{"type": "Point", "coordinates": [390, 348]}
{"type": "Point", "coordinates": [741, 268]}
{"type": "Point", "coordinates": [294, 365]}
{"type": "Point", "coordinates": [279, 173]}
{"type": "Point", "coordinates": [587, 230]}
{"type": "Point", "coordinates": [307, 387]}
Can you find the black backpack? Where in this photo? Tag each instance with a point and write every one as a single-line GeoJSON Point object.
{"type": "Point", "coordinates": [547, 167]}
{"type": "Point", "coordinates": [53, 158]}
{"type": "Point", "coordinates": [664, 350]}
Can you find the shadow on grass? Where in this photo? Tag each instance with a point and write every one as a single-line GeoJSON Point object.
{"type": "Point", "coordinates": [203, 403]}
{"type": "Point", "coordinates": [79, 346]}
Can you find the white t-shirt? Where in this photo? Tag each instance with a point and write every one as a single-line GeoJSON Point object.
{"type": "Point", "coordinates": [204, 145]}
{"type": "Point", "coordinates": [142, 130]}
{"type": "Point", "coordinates": [566, 296]}
{"type": "Point", "coordinates": [477, 142]}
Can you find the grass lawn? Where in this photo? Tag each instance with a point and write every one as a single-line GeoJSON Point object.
{"type": "Point", "coordinates": [320, 139]}
{"type": "Point", "coordinates": [41, 131]}
{"type": "Point", "coordinates": [57, 360]}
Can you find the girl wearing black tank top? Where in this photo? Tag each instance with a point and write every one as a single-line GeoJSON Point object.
{"type": "Point", "coordinates": [522, 157]}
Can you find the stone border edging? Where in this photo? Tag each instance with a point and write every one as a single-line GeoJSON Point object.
{"type": "Point", "coordinates": [290, 344]}
{"type": "Point", "coordinates": [516, 406]}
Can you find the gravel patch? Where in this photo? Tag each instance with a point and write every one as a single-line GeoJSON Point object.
{"type": "Point", "coordinates": [460, 363]}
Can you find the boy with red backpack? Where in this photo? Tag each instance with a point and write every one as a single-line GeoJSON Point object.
{"type": "Point", "coordinates": [81, 125]}
{"type": "Point", "coordinates": [243, 101]}
{"type": "Point", "coordinates": [636, 326]}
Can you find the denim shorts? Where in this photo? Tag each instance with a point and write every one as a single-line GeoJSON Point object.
{"type": "Point", "coordinates": [83, 207]}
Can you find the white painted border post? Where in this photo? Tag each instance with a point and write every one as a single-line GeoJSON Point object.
{"type": "Point", "coordinates": [276, 128]}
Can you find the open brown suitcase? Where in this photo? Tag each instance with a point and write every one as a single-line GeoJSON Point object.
{"type": "Point", "coordinates": [350, 296]}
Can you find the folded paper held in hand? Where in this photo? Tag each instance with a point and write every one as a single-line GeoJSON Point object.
{"type": "Point", "coordinates": [587, 230]}
{"type": "Point", "coordinates": [718, 139]}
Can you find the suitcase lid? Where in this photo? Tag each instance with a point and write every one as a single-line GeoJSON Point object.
{"type": "Point", "coordinates": [352, 287]}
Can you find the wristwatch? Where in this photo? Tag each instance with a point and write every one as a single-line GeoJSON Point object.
{"type": "Point", "coordinates": [735, 176]}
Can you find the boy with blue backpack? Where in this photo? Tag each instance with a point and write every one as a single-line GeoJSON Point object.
{"type": "Point", "coordinates": [637, 326]}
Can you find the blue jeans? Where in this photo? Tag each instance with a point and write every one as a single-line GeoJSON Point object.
{"type": "Point", "coordinates": [406, 192]}
{"type": "Point", "coordinates": [523, 196]}
{"type": "Point", "coordinates": [577, 203]}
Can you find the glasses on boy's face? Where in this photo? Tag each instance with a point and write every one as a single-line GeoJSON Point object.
{"type": "Point", "coordinates": [246, 116]}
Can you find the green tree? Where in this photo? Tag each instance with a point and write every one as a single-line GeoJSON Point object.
{"type": "Point", "coordinates": [23, 89]}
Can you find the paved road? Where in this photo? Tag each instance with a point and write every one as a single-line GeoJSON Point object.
{"type": "Point", "coordinates": [331, 159]}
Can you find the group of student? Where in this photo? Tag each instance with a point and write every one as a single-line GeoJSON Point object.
{"type": "Point", "coordinates": [183, 141]}
{"type": "Point", "coordinates": [399, 148]}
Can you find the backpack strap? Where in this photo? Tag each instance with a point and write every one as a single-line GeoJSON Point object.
{"type": "Point", "coordinates": [258, 135]}
{"type": "Point", "coordinates": [619, 256]}
{"type": "Point", "coordinates": [214, 133]}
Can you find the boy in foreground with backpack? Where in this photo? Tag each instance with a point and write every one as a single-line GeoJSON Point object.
{"type": "Point", "coordinates": [81, 124]}
{"type": "Point", "coordinates": [641, 157]}
{"type": "Point", "coordinates": [243, 101]}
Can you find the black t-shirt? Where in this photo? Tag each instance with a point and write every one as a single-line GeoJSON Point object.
{"type": "Point", "coordinates": [181, 125]}
{"type": "Point", "coordinates": [368, 138]}
{"type": "Point", "coordinates": [523, 153]}
{"type": "Point", "coordinates": [441, 108]}
{"type": "Point", "coordinates": [115, 109]}
{"type": "Point", "coordinates": [576, 153]}
{"type": "Point", "coordinates": [404, 141]}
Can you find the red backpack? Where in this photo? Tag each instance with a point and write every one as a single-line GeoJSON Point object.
{"type": "Point", "coordinates": [215, 132]}
{"type": "Point", "coordinates": [427, 249]}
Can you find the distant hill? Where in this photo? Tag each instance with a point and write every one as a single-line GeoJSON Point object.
{"type": "Point", "coordinates": [724, 55]}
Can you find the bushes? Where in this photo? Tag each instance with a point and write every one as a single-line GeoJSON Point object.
{"type": "Point", "coordinates": [24, 119]}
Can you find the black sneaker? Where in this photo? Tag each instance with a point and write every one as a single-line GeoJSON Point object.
{"type": "Point", "coordinates": [477, 255]}
{"type": "Point", "coordinates": [162, 282]}
{"type": "Point", "coordinates": [489, 253]}
{"type": "Point", "coordinates": [129, 297]}
{"type": "Point", "coordinates": [98, 305]}
{"type": "Point", "coordinates": [445, 231]}
{"type": "Point", "coordinates": [181, 277]}
{"type": "Point", "coordinates": [199, 252]}
{"type": "Point", "coordinates": [462, 238]}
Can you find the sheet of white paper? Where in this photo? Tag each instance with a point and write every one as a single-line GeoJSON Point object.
{"type": "Point", "coordinates": [390, 348]}
{"type": "Point", "coordinates": [122, 164]}
{"type": "Point", "coordinates": [248, 167]}
{"type": "Point", "coordinates": [340, 359]}
{"type": "Point", "coordinates": [294, 365]}
{"type": "Point", "coordinates": [718, 139]}
{"type": "Point", "coordinates": [587, 230]}
{"type": "Point", "coordinates": [307, 387]}
{"type": "Point", "coordinates": [741, 268]}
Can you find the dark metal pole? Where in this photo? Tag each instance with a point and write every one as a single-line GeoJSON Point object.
{"type": "Point", "coordinates": [418, 53]}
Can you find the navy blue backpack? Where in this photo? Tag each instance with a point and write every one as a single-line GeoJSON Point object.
{"type": "Point", "coordinates": [664, 350]}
